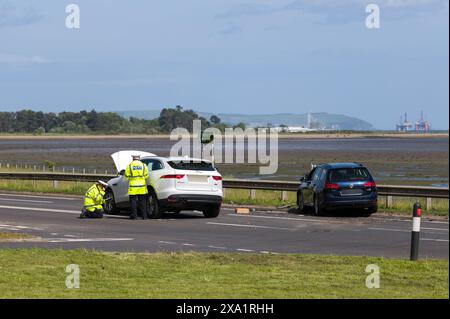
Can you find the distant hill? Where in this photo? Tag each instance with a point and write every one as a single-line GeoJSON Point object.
{"type": "Point", "coordinates": [319, 120]}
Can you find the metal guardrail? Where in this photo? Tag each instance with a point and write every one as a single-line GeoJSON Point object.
{"type": "Point", "coordinates": [388, 190]}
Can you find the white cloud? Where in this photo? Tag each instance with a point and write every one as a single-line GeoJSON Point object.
{"type": "Point", "coordinates": [13, 16]}
{"type": "Point", "coordinates": [14, 59]}
{"type": "Point", "coordinates": [341, 11]}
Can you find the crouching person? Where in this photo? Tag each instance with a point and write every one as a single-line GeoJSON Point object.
{"type": "Point", "coordinates": [94, 200]}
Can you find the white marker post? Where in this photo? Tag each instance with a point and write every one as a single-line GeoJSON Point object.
{"type": "Point", "coordinates": [415, 235]}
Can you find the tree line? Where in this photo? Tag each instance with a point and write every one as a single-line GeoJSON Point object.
{"type": "Point", "coordinates": [93, 122]}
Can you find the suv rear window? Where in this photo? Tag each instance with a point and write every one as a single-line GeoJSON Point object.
{"type": "Point", "coordinates": [348, 174]}
{"type": "Point", "coordinates": [192, 166]}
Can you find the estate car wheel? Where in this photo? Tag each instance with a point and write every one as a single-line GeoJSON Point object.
{"type": "Point", "coordinates": [110, 203]}
{"type": "Point", "coordinates": [318, 210]}
{"type": "Point", "coordinates": [371, 210]}
{"type": "Point", "coordinates": [212, 212]}
{"type": "Point", "coordinates": [152, 206]}
{"type": "Point", "coordinates": [300, 202]}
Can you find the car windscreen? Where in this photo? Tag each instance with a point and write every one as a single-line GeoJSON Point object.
{"type": "Point", "coordinates": [192, 165]}
{"type": "Point", "coordinates": [348, 174]}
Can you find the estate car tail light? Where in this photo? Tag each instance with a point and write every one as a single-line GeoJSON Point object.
{"type": "Point", "coordinates": [370, 184]}
{"type": "Point", "coordinates": [176, 176]}
{"type": "Point", "coordinates": [331, 186]}
{"type": "Point", "coordinates": [217, 178]}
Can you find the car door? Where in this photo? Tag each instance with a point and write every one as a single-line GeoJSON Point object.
{"type": "Point", "coordinates": [306, 188]}
{"type": "Point", "coordinates": [155, 171]}
{"type": "Point", "coordinates": [120, 188]}
{"type": "Point", "coordinates": [314, 184]}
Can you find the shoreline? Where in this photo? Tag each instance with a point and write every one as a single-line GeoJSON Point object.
{"type": "Point", "coordinates": [343, 135]}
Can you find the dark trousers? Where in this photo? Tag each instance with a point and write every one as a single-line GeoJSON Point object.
{"type": "Point", "coordinates": [98, 213]}
{"type": "Point", "coordinates": [141, 201]}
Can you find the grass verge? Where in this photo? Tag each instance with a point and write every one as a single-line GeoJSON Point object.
{"type": "Point", "coordinates": [13, 236]}
{"type": "Point", "coordinates": [39, 273]}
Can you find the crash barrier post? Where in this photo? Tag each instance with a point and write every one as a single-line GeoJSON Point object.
{"type": "Point", "coordinates": [415, 235]}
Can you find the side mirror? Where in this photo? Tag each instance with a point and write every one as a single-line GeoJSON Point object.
{"type": "Point", "coordinates": [122, 172]}
{"type": "Point", "coordinates": [303, 178]}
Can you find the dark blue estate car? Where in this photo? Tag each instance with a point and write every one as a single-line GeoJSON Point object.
{"type": "Point", "coordinates": [338, 186]}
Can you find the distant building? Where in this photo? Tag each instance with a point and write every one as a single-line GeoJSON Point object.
{"type": "Point", "coordinates": [422, 125]}
{"type": "Point", "coordinates": [419, 126]}
{"type": "Point", "coordinates": [404, 125]}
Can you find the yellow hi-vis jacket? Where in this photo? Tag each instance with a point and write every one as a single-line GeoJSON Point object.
{"type": "Point", "coordinates": [93, 199]}
{"type": "Point", "coordinates": [137, 175]}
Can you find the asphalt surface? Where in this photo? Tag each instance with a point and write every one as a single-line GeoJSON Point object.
{"type": "Point", "coordinates": [55, 221]}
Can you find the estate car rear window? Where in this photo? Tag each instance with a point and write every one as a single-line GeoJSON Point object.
{"type": "Point", "coordinates": [192, 166]}
{"type": "Point", "coordinates": [348, 174]}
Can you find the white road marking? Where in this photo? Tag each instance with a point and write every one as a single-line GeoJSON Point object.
{"type": "Point", "coordinates": [408, 220]}
{"type": "Point", "coordinates": [34, 196]}
{"type": "Point", "coordinates": [167, 242]}
{"type": "Point", "coordinates": [323, 221]}
{"type": "Point", "coordinates": [245, 250]}
{"type": "Point", "coordinates": [76, 240]}
{"type": "Point", "coordinates": [401, 230]}
{"type": "Point", "coordinates": [430, 228]}
{"type": "Point", "coordinates": [429, 239]}
{"type": "Point", "coordinates": [42, 209]}
{"type": "Point", "coordinates": [187, 244]}
{"type": "Point", "coordinates": [217, 247]}
{"type": "Point", "coordinates": [72, 236]}
{"type": "Point", "coordinates": [250, 226]}
{"type": "Point", "coordinates": [26, 200]}
{"type": "Point", "coordinates": [18, 227]}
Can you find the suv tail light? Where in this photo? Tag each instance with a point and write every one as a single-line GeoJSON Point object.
{"type": "Point", "coordinates": [176, 176]}
{"type": "Point", "coordinates": [370, 184]}
{"type": "Point", "coordinates": [331, 186]}
{"type": "Point", "coordinates": [217, 178]}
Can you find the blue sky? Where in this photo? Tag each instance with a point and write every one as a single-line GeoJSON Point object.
{"type": "Point", "coordinates": [228, 56]}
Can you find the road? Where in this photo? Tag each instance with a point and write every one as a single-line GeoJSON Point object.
{"type": "Point", "coordinates": [55, 221]}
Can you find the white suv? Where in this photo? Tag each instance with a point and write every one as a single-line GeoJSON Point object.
{"type": "Point", "coordinates": [174, 184]}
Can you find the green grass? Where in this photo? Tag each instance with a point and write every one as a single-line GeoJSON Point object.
{"type": "Point", "coordinates": [13, 236]}
{"type": "Point", "coordinates": [39, 273]}
{"type": "Point", "coordinates": [72, 188]}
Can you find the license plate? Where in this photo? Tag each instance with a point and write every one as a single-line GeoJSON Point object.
{"type": "Point", "coordinates": [351, 192]}
{"type": "Point", "coordinates": [198, 179]}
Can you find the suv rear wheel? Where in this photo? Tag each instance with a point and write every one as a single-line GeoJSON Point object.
{"type": "Point", "coordinates": [152, 205]}
{"type": "Point", "coordinates": [212, 212]}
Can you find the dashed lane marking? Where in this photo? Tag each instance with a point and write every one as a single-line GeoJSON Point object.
{"type": "Point", "coordinates": [324, 221]}
{"type": "Point", "coordinates": [76, 240]}
{"type": "Point", "coordinates": [18, 227]}
{"type": "Point", "coordinates": [402, 230]}
{"type": "Point", "coordinates": [42, 209]}
{"type": "Point", "coordinates": [245, 250]}
{"type": "Point", "coordinates": [439, 240]}
{"type": "Point", "coordinates": [218, 247]}
{"type": "Point", "coordinates": [250, 226]}
{"type": "Point", "coordinates": [34, 196]}
{"type": "Point", "coordinates": [26, 201]}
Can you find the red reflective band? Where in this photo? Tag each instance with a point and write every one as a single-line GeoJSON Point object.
{"type": "Point", "coordinates": [178, 176]}
{"type": "Point", "coordinates": [331, 186]}
{"type": "Point", "coordinates": [370, 184]}
{"type": "Point", "coordinates": [419, 212]}
{"type": "Point", "coordinates": [217, 178]}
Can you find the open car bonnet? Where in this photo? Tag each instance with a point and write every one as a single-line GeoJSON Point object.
{"type": "Point", "coordinates": [123, 158]}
